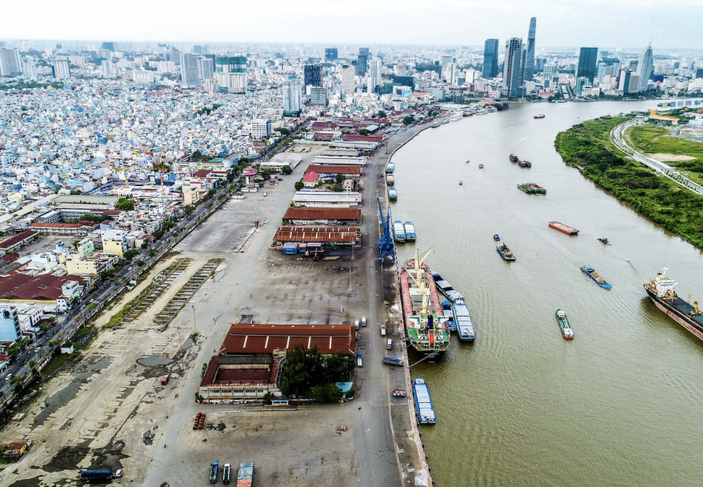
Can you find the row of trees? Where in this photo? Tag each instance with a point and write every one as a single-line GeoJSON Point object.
{"type": "Point", "coordinates": [587, 147]}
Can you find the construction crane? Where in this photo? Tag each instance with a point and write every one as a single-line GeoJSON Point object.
{"type": "Point", "coordinates": [163, 168]}
{"type": "Point", "coordinates": [386, 244]}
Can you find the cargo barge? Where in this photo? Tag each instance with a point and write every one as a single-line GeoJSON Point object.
{"type": "Point", "coordinates": [590, 272]}
{"type": "Point", "coordinates": [425, 323]}
{"type": "Point", "coordinates": [445, 288]}
{"type": "Point", "coordinates": [462, 318]}
{"type": "Point", "coordinates": [392, 194]}
{"type": "Point", "coordinates": [662, 291]}
{"type": "Point", "coordinates": [410, 235]}
{"type": "Point", "coordinates": [398, 231]}
{"type": "Point", "coordinates": [423, 402]}
{"type": "Point", "coordinates": [564, 228]}
{"type": "Point", "coordinates": [531, 188]}
{"type": "Point", "coordinates": [524, 163]}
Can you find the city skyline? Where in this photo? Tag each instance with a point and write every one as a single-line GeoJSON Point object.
{"type": "Point", "coordinates": [314, 22]}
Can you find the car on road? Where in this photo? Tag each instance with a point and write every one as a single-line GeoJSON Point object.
{"type": "Point", "coordinates": [9, 376]}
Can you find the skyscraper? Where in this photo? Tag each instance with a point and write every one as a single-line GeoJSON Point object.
{"type": "Point", "coordinates": [292, 96]}
{"type": "Point", "coordinates": [362, 61]}
{"type": "Point", "coordinates": [587, 63]}
{"type": "Point", "coordinates": [206, 68]}
{"type": "Point", "coordinates": [10, 64]}
{"type": "Point", "coordinates": [189, 71]}
{"type": "Point", "coordinates": [490, 59]}
{"type": "Point", "coordinates": [331, 54]}
{"type": "Point", "coordinates": [375, 71]}
{"type": "Point", "coordinates": [313, 74]}
{"type": "Point", "coordinates": [347, 79]}
{"type": "Point", "coordinates": [529, 69]}
{"type": "Point", "coordinates": [646, 68]}
{"type": "Point", "coordinates": [512, 70]}
{"type": "Point", "coordinates": [231, 64]}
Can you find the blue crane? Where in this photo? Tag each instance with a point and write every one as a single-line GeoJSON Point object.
{"type": "Point", "coordinates": [386, 244]}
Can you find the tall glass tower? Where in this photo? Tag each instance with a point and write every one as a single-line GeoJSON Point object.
{"type": "Point", "coordinates": [646, 67]}
{"type": "Point", "coordinates": [490, 59]}
{"type": "Point", "coordinates": [512, 79]}
{"type": "Point", "coordinates": [530, 55]}
{"type": "Point", "coordinates": [587, 63]}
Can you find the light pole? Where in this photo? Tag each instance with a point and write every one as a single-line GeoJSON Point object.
{"type": "Point", "coordinates": [195, 328]}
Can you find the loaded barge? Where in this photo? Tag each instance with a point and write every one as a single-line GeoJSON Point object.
{"type": "Point", "coordinates": [564, 228]}
{"type": "Point", "coordinates": [662, 291]}
{"type": "Point", "coordinates": [531, 188]}
{"type": "Point", "coordinates": [591, 272]}
{"type": "Point", "coordinates": [425, 323]}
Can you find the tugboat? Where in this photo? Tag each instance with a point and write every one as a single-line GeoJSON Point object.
{"type": "Point", "coordinates": [480, 166]}
{"type": "Point", "coordinates": [496, 237]}
{"type": "Point", "coordinates": [590, 272]}
{"type": "Point", "coordinates": [461, 182]}
{"type": "Point", "coordinates": [541, 115]}
{"type": "Point", "coordinates": [467, 161]}
{"type": "Point", "coordinates": [513, 158]}
{"type": "Point", "coordinates": [505, 252]}
{"type": "Point", "coordinates": [604, 240]}
{"type": "Point", "coordinates": [566, 331]}
{"type": "Point", "coordinates": [524, 163]}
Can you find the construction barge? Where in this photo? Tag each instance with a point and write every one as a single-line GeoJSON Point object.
{"type": "Point", "coordinates": [531, 188]}
{"type": "Point", "coordinates": [564, 228]}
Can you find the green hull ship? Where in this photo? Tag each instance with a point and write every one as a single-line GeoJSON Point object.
{"type": "Point", "coordinates": [424, 321]}
{"type": "Point", "coordinates": [531, 188]}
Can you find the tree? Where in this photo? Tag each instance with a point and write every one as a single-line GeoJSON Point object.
{"type": "Point", "coordinates": [286, 170]}
{"type": "Point", "coordinates": [299, 185]}
{"type": "Point", "coordinates": [188, 209]}
{"type": "Point", "coordinates": [337, 188]}
{"type": "Point", "coordinates": [326, 393]}
{"type": "Point", "coordinates": [363, 132]}
{"type": "Point", "coordinates": [125, 204]}
{"type": "Point", "coordinates": [282, 130]}
{"type": "Point", "coordinates": [266, 174]}
{"type": "Point", "coordinates": [381, 114]}
{"type": "Point", "coordinates": [408, 120]}
{"type": "Point", "coordinates": [339, 178]}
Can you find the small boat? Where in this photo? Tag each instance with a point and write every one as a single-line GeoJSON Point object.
{"type": "Point", "coordinates": [468, 160]}
{"type": "Point", "coordinates": [541, 115]}
{"type": "Point", "coordinates": [461, 182]}
{"type": "Point", "coordinates": [513, 158]}
{"type": "Point", "coordinates": [399, 231]}
{"type": "Point", "coordinates": [563, 228]}
{"type": "Point", "coordinates": [566, 331]}
{"type": "Point", "coordinates": [390, 167]}
{"type": "Point", "coordinates": [524, 163]}
{"type": "Point", "coordinates": [390, 180]}
{"type": "Point", "coordinates": [604, 240]}
{"type": "Point", "coordinates": [399, 393]}
{"type": "Point", "coordinates": [480, 166]}
{"type": "Point", "coordinates": [423, 402]}
{"type": "Point", "coordinates": [496, 237]}
{"type": "Point", "coordinates": [590, 272]}
{"type": "Point", "coordinates": [505, 252]}
{"type": "Point", "coordinates": [392, 194]}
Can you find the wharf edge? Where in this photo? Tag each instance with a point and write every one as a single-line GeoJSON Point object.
{"type": "Point", "coordinates": [408, 379]}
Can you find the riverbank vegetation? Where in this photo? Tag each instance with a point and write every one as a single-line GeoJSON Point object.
{"type": "Point", "coordinates": [587, 147]}
{"type": "Point", "coordinates": [653, 139]}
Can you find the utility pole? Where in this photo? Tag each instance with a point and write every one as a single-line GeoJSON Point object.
{"type": "Point", "coordinates": [195, 328]}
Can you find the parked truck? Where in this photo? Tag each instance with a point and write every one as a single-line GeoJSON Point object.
{"type": "Point", "coordinates": [213, 472]}
{"type": "Point", "coordinates": [226, 473]}
{"type": "Point", "coordinates": [245, 476]}
{"type": "Point", "coordinates": [103, 474]}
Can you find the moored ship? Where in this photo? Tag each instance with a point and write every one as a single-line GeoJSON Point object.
{"type": "Point", "coordinates": [392, 194]}
{"type": "Point", "coordinates": [524, 163]}
{"type": "Point", "coordinates": [423, 402]}
{"type": "Point", "coordinates": [398, 231]}
{"type": "Point", "coordinates": [462, 318]}
{"type": "Point", "coordinates": [662, 291]}
{"type": "Point", "coordinates": [563, 228]}
{"type": "Point", "coordinates": [410, 235]}
{"type": "Point", "coordinates": [425, 323]}
{"type": "Point", "coordinates": [513, 158]}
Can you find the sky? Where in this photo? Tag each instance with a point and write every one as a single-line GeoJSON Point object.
{"type": "Point", "coordinates": [560, 23]}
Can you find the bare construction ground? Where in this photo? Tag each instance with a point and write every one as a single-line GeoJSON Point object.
{"type": "Point", "coordinates": [112, 411]}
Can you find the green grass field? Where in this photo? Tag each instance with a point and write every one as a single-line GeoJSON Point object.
{"type": "Point", "coordinates": [653, 139]}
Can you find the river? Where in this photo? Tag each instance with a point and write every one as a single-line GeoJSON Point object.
{"type": "Point", "coordinates": [618, 405]}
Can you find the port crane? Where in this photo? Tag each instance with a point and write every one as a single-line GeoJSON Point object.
{"type": "Point", "coordinates": [386, 244]}
{"type": "Point", "coordinates": [695, 312]}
